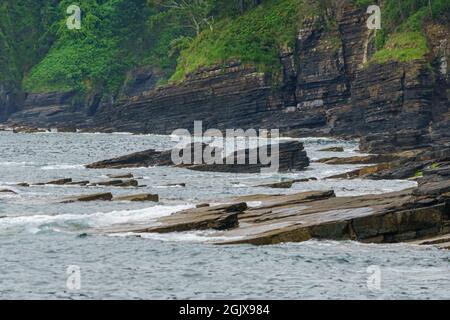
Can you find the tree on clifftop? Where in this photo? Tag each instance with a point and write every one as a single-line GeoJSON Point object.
{"type": "Point", "coordinates": [197, 13]}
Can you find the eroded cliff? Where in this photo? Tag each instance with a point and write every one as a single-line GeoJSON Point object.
{"type": "Point", "coordinates": [328, 85]}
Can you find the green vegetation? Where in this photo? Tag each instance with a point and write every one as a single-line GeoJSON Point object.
{"type": "Point", "coordinates": [402, 47]}
{"type": "Point", "coordinates": [39, 54]}
{"type": "Point", "coordinates": [26, 34]}
{"type": "Point", "coordinates": [402, 37]}
{"type": "Point", "coordinates": [255, 37]}
{"type": "Point", "coordinates": [418, 174]}
{"type": "Point", "coordinates": [98, 55]}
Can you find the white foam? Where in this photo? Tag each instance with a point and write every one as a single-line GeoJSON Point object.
{"type": "Point", "coordinates": [254, 204]}
{"type": "Point", "coordinates": [17, 164]}
{"type": "Point", "coordinates": [193, 236]}
{"type": "Point", "coordinates": [93, 220]}
{"type": "Point", "coordinates": [63, 167]}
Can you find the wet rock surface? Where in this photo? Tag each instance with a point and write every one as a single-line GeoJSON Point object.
{"type": "Point", "coordinates": [413, 214]}
{"type": "Point", "coordinates": [222, 217]}
{"type": "Point", "coordinates": [139, 198]}
{"type": "Point", "coordinates": [88, 198]}
{"type": "Point", "coordinates": [7, 191]}
{"type": "Point", "coordinates": [290, 156]}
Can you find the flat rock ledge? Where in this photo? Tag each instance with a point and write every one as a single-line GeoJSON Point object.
{"type": "Point", "coordinates": [107, 196]}
{"type": "Point", "coordinates": [291, 155]}
{"type": "Point", "coordinates": [403, 216]}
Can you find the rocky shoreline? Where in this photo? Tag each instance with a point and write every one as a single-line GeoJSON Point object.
{"type": "Point", "coordinates": [419, 214]}
{"type": "Point", "coordinates": [399, 110]}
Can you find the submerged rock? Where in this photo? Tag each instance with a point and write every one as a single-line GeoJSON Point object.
{"type": "Point", "coordinates": [117, 183]}
{"type": "Point", "coordinates": [79, 183]}
{"type": "Point", "coordinates": [279, 185]}
{"type": "Point", "coordinates": [23, 184]}
{"type": "Point", "coordinates": [287, 184]}
{"type": "Point", "coordinates": [60, 182]}
{"type": "Point", "coordinates": [182, 185]}
{"type": "Point", "coordinates": [332, 149]}
{"type": "Point", "coordinates": [121, 176]}
{"type": "Point", "coordinates": [88, 198]}
{"type": "Point", "coordinates": [7, 191]}
{"type": "Point", "coordinates": [139, 198]}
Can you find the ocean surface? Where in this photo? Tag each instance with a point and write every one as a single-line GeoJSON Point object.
{"type": "Point", "coordinates": [40, 238]}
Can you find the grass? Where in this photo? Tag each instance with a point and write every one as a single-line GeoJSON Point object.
{"type": "Point", "coordinates": [402, 37]}
{"type": "Point", "coordinates": [402, 47]}
{"type": "Point", "coordinates": [419, 174]}
{"type": "Point", "coordinates": [255, 38]}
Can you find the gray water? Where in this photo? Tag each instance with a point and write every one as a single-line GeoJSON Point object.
{"type": "Point", "coordinates": [40, 237]}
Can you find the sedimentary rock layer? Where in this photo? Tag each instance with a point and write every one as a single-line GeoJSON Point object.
{"type": "Point", "coordinates": [287, 156]}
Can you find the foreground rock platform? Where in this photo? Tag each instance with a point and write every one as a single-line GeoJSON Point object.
{"type": "Point", "coordinates": [387, 218]}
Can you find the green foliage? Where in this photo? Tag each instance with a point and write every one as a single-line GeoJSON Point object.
{"type": "Point", "coordinates": [363, 3]}
{"type": "Point", "coordinates": [403, 47]}
{"type": "Point", "coordinates": [254, 37]}
{"type": "Point", "coordinates": [418, 174]}
{"type": "Point", "coordinates": [402, 37]}
{"type": "Point", "coordinates": [98, 55]}
{"type": "Point", "coordinates": [25, 36]}
{"type": "Point", "coordinates": [38, 52]}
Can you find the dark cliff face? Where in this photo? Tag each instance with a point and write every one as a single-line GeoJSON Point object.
{"type": "Point", "coordinates": [326, 87]}
{"type": "Point", "coordinates": [10, 101]}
